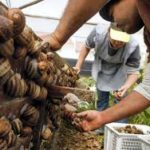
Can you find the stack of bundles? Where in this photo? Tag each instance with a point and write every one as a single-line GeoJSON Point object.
{"type": "Point", "coordinates": [28, 68]}
{"type": "Point", "coordinates": [16, 132]}
{"type": "Point", "coordinates": [37, 67]}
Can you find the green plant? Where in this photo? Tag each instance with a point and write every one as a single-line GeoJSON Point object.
{"type": "Point", "coordinates": [87, 106]}
{"type": "Point", "coordinates": [141, 118]}
{"type": "Point", "coordinates": [88, 80]}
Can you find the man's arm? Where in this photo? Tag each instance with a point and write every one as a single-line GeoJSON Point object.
{"type": "Point", "coordinates": [76, 13]}
{"type": "Point", "coordinates": [132, 66]}
{"type": "Point", "coordinates": [130, 105]}
{"type": "Point", "coordinates": [134, 103]}
{"type": "Point", "coordinates": [84, 52]}
{"type": "Point", "coordinates": [89, 44]}
{"type": "Point", "coordinates": [131, 79]}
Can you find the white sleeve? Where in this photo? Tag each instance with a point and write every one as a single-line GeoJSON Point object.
{"type": "Point", "coordinates": [144, 87]}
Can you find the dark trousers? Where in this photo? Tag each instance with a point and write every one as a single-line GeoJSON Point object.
{"type": "Point", "coordinates": [103, 102]}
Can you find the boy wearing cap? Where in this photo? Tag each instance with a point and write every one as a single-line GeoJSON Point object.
{"type": "Point", "coordinates": [116, 63]}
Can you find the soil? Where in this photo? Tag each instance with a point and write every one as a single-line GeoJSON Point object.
{"type": "Point", "coordinates": [68, 138]}
{"type": "Point", "coordinates": [129, 130]}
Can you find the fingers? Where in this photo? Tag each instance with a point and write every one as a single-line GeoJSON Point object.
{"type": "Point", "coordinates": [118, 94]}
{"type": "Point", "coordinates": [76, 121]}
{"type": "Point", "coordinates": [69, 115]}
{"type": "Point", "coordinates": [81, 125]}
{"type": "Point", "coordinates": [76, 69]}
{"type": "Point", "coordinates": [53, 42]}
{"type": "Point", "coordinates": [82, 115]}
{"type": "Point", "coordinates": [122, 92]}
{"type": "Point", "coordinates": [80, 120]}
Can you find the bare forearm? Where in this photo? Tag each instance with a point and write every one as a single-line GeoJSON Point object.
{"type": "Point", "coordinates": [130, 105]}
{"type": "Point", "coordinates": [77, 12]}
{"type": "Point", "coordinates": [131, 79]}
{"type": "Point", "coordinates": [84, 52]}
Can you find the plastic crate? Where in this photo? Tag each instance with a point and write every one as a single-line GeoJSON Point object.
{"type": "Point", "coordinates": [145, 142]}
{"type": "Point", "coordinates": [113, 140]}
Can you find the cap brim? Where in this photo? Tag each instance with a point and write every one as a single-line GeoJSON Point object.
{"type": "Point", "coordinates": [119, 35]}
{"type": "Point", "coordinates": [104, 11]}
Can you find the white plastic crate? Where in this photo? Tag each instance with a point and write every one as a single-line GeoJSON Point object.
{"type": "Point", "coordinates": [145, 142]}
{"type": "Point", "coordinates": [114, 140]}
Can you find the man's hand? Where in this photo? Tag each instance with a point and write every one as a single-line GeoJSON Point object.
{"type": "Point", "coordinates": [89, 120]}
{"type": "Point", "coordinates": [120, 93]}
{"type": "Point", "coordinates": [77, 69]}
{"type": "Point", "coordinates": [53, 42]}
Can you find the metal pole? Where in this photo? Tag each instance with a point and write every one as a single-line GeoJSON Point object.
{"type": "Point", "coordinates": [53, 18]}
{"type": "Point", "coordinates": [30, 4]}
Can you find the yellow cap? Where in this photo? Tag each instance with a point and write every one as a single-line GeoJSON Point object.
{"type": "Point", "coordinates": [119, 35]}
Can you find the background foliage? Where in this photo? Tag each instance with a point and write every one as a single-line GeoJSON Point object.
{"type": "Point", "coordinates": [141, 118]}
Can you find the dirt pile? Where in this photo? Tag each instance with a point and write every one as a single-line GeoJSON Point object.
{"type": "Point", "coordinates": [68, 138]}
